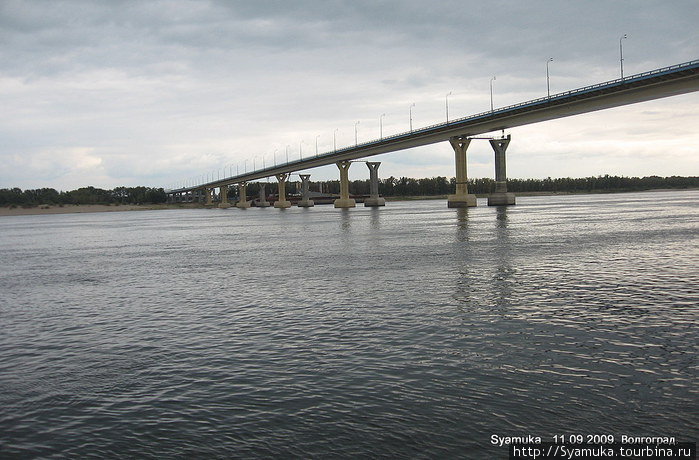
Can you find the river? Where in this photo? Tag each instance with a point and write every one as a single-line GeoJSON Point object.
{"type": "Point", "coordinates": [410, 331]}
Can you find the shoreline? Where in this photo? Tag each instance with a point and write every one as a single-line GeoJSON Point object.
{"type": "Point", "coordinates": [84, 208]}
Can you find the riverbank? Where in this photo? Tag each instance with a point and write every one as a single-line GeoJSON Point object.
{"type": "Point", "coordinates": [73, 208]}
{"type": "Point", "coordinates": [577, 192]}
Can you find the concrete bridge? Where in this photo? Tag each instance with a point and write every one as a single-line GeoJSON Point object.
{"type": "Point", "coordinates": [655, 84]}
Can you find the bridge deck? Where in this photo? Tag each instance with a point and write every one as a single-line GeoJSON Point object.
{"type": "Point", "coordinates": [655, 84]}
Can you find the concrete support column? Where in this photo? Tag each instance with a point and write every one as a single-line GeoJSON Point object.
{"type": "Point", "coordinates": [344, 201]}
{"type": "Point", "coordinates": [461, 199]}
{"type": "Point", "coordinates": [262, 200]}
{"type": "Point", "coordinates": [281, 200]}
{"type": "Point", "coordinates": [243, 192]}
{"type": "Point", "coordinates": [306, 201]}
{"type": "Point", "coordinates": [224, 197]}
{"type": "Point", "coordinates": [501, 197]}
{"type": "Point", "coordinates": [209, 197]}
{"type": "Point", "coordinates": [374, 198]}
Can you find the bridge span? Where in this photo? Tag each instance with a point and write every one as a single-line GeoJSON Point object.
{"type": "Point", "coordinates": [646, 86]}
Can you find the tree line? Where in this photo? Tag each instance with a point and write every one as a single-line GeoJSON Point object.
{"type": "Point", "coordinates": [84, 195]}
{"type": "Point", "coordinates": [391, 186]}
{"type": "Point", "coordinates": [440, 185]}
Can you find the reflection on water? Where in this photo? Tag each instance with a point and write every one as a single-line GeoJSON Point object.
{"type": "Point", "coordinates": [405, 331]}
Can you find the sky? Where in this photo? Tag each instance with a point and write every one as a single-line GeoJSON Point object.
{"type": "Point", "coordinates": [168, 93]}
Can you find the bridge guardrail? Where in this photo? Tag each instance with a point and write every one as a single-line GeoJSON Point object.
{"type": "Point", "coordinates": [426, 129]}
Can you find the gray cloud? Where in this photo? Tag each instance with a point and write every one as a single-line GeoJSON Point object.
{"type": "Point", "coordinates": [165, 90]}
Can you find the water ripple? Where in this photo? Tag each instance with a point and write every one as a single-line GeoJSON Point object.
{"type": "Point", "coordinates": [410, 331]}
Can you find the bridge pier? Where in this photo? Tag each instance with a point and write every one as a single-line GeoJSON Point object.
{"type": "Point", "coordinates": [500, 197]}
{"type": "Point", "coordinates": [374, 199]}
{"type": "Point", "coordinates": [224, 197]}
{"type": "Point", "coordinates": [282, 202]}
{"type": "Point", "coordinates": [344, 201]}
{"type": "Point", "coordinates": [209, 197]}
{"type": "Point", "coordinates": [243, 196]}
{"type": "Point", "coordinates": [262, 202]}
{"type": "Point", "coordinates": [305, 202]}
{"type": "Point", "coordinates": [461, 198]}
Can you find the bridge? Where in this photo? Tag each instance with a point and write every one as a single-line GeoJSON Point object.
{"type": "Point", "coordinates": [646, 86]}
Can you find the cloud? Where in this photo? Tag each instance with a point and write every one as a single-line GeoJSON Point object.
{"type": "Point", "coordinates": [172, 89]}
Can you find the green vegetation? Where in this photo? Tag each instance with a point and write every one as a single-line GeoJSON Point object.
{"type": "Point", "coordinates": [408, 186]}
{"type": "Point", "coordinates": [405, 186]}
{"type": "Point", "coordinates": [84, 195]}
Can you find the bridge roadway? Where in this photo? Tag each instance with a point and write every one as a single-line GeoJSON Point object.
{"type": "Point", "coordinates": [655, 84]}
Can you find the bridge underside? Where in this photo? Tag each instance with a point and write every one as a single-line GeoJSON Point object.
{"type": "Point", "coordinates": [671, 81]}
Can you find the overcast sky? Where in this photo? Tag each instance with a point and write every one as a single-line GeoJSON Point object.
{"type": "Point", "coordinates": [159, 93]}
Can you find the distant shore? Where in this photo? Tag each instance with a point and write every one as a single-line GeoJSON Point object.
{"type": "Point", "coordinates": [79, 208]}
{"type": "Point", "coordinates": [577, 192]}
{"type": "Point", "coordinates": [73, 208]}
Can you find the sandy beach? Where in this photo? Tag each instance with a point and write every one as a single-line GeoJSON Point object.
{"type": "Point", "coordinates": [72, 208]}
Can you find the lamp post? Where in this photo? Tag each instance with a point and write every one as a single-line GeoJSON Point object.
{"type": "Point", "coordinates": [246, 165]}
{"type": "Point", "coordinates": [411, 116]}
{"type": "Point", "coordinates": [300, 151]}
{"type": "Point", "coordinates": [356, 142]}
{"type": "Point", "coordinates": [275, 157]}
{"type": "Point", "coordinates": [381, 125]}
{"type": "Point", "coordinates": [335, 139]}
{"type": "Point", "coordinates": [317, 144]}
{"type": "Point", "coordinates": [446, 103]}
{"type": "Point", "coordinates": [491, 92]}
{"type": "Point", "coordinates": [621, 55]}
{"type": "Point", "coordinates": [287, 153]}
{"type": "Point", "coordinates": [548, 86]}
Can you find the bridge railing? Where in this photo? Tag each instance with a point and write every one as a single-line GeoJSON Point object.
{"type": "Point", "coordinates": [469, 118]}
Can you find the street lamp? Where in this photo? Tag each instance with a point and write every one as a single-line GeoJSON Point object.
{"type": "Point", "coordinates": [246, 165]}
{"type": "Point", "coordinates": [381, 125]}
{"type": "Point", "coordinates": [491, 92]}
{"type": "Point", "coordinates": [275, 157]}
{"type": "Point", "coordinates": [335, 139]}
{"type": "Point", "coordinates": [300, 151]}
{"type": "Point", "coordinates": [356, 142]}
{"type": "Point", "coordinates": [317, 144]}
{"type": "Point", "coordinates": [446, 99]}
{"type": "Point", "coordinates": [621, 55]}
{"type": "Point", "coordinates": [287, 153]}
{"type": "Point", "coordinates": [411, 116]}
{"type": "Point", "coordinates": [548, 86]}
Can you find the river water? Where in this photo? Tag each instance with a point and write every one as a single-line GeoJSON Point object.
{"type": "Point", "coordinates": [411, 331]}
